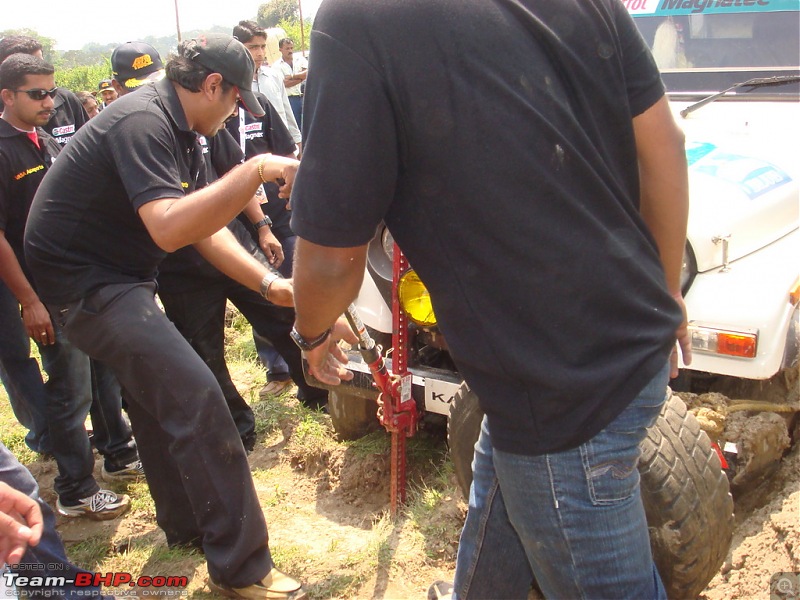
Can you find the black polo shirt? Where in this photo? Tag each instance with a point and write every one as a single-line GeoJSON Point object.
{"type": "Point", "coordinates": [84, 230]}
{"type": "Point", "coordinates": [260, 135]}
{"type": "Point", "coordinates": [22, 168]}
{"type": "Point", "coordinates": [185, 270]}
{"type": "Point", "coordinates": [69, 116]}
{"type": "Point", "coordinates": [499, 149]}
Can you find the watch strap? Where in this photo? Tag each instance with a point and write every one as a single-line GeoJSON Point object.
{"type": "Point", "coordinates": [306, 345]}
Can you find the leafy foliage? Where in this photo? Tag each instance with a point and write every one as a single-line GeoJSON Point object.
{"type": "Point", "coordinates": [48, 44]}
{"type": "Point", "coordinates": [292, 29]}
{"type": "Point", "coordinates": [83, 78]}
{"type": "Point", "coordinates": [274, 11]}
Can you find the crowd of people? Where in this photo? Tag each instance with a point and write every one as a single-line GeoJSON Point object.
{"type": "Point", "coordinates": [175, 180]}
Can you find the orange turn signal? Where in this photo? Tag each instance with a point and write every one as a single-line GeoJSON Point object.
{"type": "Point", "coordinates": [711, 340]}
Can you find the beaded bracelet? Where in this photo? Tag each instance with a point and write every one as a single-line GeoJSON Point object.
{"type": "Point", "coordinates": [261, 169]}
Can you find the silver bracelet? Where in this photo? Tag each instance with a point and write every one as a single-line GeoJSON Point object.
{"type": "Point", "coordinates": [267, 282]}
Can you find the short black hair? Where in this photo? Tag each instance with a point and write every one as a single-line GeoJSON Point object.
{"type": "Point", "coordinates": [18, 66]}
{"type": "Point", "coordinates": [285, 41]}
{"type": "Point", "coordinates": [15, 44]}
{"type": "Point", "coordinates": [84, 96]}
{"type": "Point", "coordinates": [187, 73]}
{"type": "Point", "coordinates": [247, 30]}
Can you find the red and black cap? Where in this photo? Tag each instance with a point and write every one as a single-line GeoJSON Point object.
{"type": "Point", "coordinates": [227, 56]}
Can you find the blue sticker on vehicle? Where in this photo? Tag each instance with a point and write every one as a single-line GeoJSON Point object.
{"type": "Point", "coordinates": [697, 150]}
{"type": "Point", "coordinates": [751, 175]}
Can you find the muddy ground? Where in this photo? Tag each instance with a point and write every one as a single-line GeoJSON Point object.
{"type": "Point", "coordinates": [327, 513]}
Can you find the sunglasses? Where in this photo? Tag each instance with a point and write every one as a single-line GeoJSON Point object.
{"type": "Point", "coordinates": [39, 94]}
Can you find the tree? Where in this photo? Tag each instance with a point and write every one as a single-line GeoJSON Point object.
{"type": "Point", "coordinates": [48, 44]}
{"type": "Point", "coordinates": [275, 11]}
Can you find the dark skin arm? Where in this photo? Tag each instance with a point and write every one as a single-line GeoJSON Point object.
{"type": "Point", "coordinates": [326, 281]}
{"type": "Point", "coordinates": [177, 222]}
{"type": "Point", "coordinates": [34, 314]}
{"type": "Point", "coordinates": [225, 252]}
{"type": "Point", "coordinates": [665, 201]}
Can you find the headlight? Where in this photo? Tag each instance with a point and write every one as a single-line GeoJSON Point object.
{"type": "Point", "coordinates": [415, 300]}
{"type": "Point", "coordinates": [688, 268]}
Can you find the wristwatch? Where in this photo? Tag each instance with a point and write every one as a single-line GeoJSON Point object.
{"type": "Point", "coordinates": [306, 345]}
{"type": "Point", "coordinates": [265, 222]}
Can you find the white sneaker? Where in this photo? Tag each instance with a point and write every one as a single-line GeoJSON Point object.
{"type": "Point", "coordinates": [101, 506]}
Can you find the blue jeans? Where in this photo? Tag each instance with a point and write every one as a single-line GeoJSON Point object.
{"type": "Point", "coordinates": [69, 397]}
{"type": "Point", "coordinates": [47, 558]}
{"type": "Point", "coordinates": [296, 102]}
{"type": "Point", "coordinates": [20, 374]}
{"type": "Point", "coordinates": [573, 520]}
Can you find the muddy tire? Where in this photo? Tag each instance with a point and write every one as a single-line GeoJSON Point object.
{"type": "Point", "coordinates": [352, 416]}
{"type": "Point", "coordinates": [684, 490]}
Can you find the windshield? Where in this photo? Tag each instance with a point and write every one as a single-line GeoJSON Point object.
{"type": "Point", "coordinates": [703, 46]}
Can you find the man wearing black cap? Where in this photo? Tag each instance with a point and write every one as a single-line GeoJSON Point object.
{"type": "Point", "coordinates": [134, 64]}
{"type": "Point", "coordinates": [98, 230]}
{"type": "Point", "coordinates": [107, 93]}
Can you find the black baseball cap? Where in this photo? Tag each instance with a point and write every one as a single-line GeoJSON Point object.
{"type": "Point", "coordinates": [227, 56]}
{"type": "Point", "coordinates": [105, 85]}
{"type": "Point", "coordinates": [134, 64]}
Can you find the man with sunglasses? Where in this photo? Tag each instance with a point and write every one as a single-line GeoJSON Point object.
{"type": "Point", "coordinates": [68, 113]}
{"type": "Point", "coordinates": [26, 154]}
{"type": "Point", "coordinates": [129, 189]}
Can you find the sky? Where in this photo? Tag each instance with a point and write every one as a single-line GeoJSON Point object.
{"type": "Point", "coordinates": [73, 23]}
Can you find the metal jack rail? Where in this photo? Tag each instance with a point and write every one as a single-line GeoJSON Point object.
{"type": "Point", "coordinates": [397, 411]}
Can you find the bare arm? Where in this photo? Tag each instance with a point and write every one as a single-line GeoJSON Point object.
{"type": "Point", "coordinates": [224, 251]}
{"type": "Point", "coordinates": [34, 314]}
{"type": "Point", "coordinates": [177, 222]}
{"type": "Point", "coordinates": [665, 198]}
{"type": "Point", "coordinates": [296, 79]}
{"type": "Point", "coordinates": [326, 281]}
{"type": "Point", "coordinates": [267, 241]}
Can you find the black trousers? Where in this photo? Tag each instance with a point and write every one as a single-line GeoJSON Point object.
{"type": "Point", "coordinates": [195, 463]}
{"type": "Point", "coordinates": [200, 316]}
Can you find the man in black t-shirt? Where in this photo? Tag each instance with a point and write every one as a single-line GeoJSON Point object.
{"type": "Point", "coordinates": [524, 157]}
{"type": "Point", "coordinates": [68, 113]}
{"type": "Point", "coordinates": [26, 153]}
{"type": "Point", "coordinates": [257, 135]}
{"type": "Point", "coordinates": [98, 230]}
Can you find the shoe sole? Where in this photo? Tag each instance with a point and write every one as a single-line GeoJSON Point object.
{"type": "Point", "coordinates": [104, 515]}
{"type": "Point", "coordinates": [114, 478]}
{"type": "Point", "coordinates": [276, 387]}
{"type": "Point", "coordinates": [230, 593]}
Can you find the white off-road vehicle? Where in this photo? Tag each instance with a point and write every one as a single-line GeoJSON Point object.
{"type": "Point", "coordinates": [731, 71]}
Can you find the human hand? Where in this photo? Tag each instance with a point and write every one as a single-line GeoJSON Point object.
{"type": "Point", "coordinates": [20, 524]}
{"type": "Point", "coordinates": [37, 323]}
{"type": "Point", "coordinates": [326, 362]}
{"type": "Point", "coordinates": [279, 169]}
{"type": "Point", "coordinates": [684, 340]}
{"type": "Point", "coordinates": [281, 292]}
{"type": "Point", "coordinates": [271, 247]}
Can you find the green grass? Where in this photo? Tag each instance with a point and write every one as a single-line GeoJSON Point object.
{"type": "Point", "coordinates": [388, 547]}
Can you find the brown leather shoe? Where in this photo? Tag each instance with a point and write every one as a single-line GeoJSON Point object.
{"type": "Point", "coordinates": [275, 586]}
{"type": "Point", "coordinates": [275, 387]}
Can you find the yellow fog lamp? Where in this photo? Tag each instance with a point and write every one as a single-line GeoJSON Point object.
{"type": "Point", "coordinates": [415, 300]}
{"type": "Point", "coordinates": [710, 340]}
